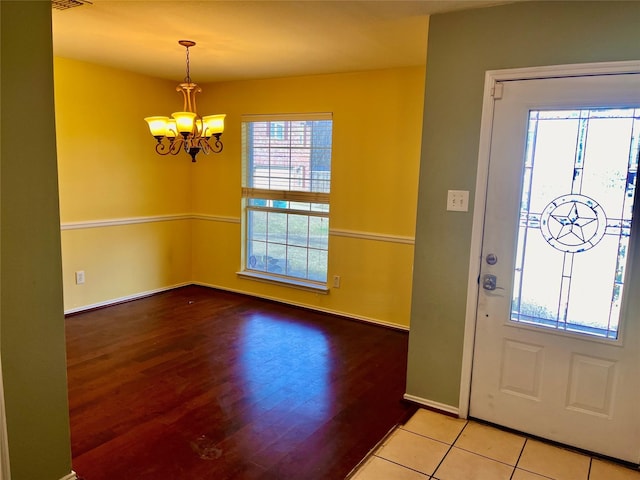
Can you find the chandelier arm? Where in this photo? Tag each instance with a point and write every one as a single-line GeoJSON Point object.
{"type": "Point", "coordinates": [180, 88]}
{"type": "Point", "coordinates": [176, 145]}
{"type": "Point", "coordinates": [206, 148]}
{"type": "Point", "coordinates": [196, 89]}
{"type": "Point", "coordinates": [189, 91]}
{"type": "Point", "coordinates": [217, 144]}
{"type": "Point", "coordinates": [162, 148]}
{"type": "Point", "coordinates": [198, 126]}
{"type": "Point", "coordinates": [212, 144]}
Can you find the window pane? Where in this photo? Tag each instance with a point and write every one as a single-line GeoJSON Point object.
{"type": "Point", "coordinates": [276, 258]}
{"type": "Point", "coordinates": [541, 281]}
{"type": "Point", "coordinates": [554, 157]}
{"type": "Point", "coordinates": [579, 184]}
{"type": "Point", "coordinates": [298, 231]}
{"type": "Point", "coordinates": [318, 265]}
{"type": "Point", "coordinates": [257, 225]}
{"type": "Point", "coordinates": [585, 285]}
{"type": "Point", "coordinates": [257, 255]}
{"type": "Point", "coordinates": [276, 227]}
{"type": "Point", "coordinates": [320, 207]}
{"type": "Point", "coordinates": [297, 261]}
{"type": "Point", "coordinates": [319, 232]}
{"type": "Point", "coordinates": [257, 202]}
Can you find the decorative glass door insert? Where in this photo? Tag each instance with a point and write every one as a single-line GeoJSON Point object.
{"type": "Point", "coordinates": [578, 192]}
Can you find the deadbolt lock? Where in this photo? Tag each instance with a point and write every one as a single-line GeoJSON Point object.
{"type": "Point", "coordinates": [489, 282]}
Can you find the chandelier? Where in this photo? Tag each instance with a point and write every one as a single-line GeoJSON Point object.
{"type": "Point", "coordinates": [187, 130]}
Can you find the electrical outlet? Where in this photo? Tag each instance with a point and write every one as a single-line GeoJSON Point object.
{"type": "Point", "coordinates": [79, 277]}
{"type": "Point", "coordinates": [336, 281]}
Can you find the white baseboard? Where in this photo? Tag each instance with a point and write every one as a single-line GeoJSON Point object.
{"type": "Point", "coordinates": [71, 476]}
{"type": "Point", "coordinates": [127, 298]}
{"type": "Point", "coordinates": [136, 296]}
{"type": "Point", "coordinates": [360, 318]}
{"type": "Point", "coordinates": [443, 407]}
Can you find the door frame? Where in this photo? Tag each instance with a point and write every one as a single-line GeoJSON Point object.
{"type": "Point", "coordinates": [482, 176]}
{"type": "Point", "coordinates": [5, 471]}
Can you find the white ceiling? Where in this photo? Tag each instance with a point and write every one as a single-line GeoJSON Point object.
{"type": "Point", "coordinates": [238, 39]}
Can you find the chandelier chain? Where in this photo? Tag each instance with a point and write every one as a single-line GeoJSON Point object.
{"type": "Point", "coordinates": [187, 79]}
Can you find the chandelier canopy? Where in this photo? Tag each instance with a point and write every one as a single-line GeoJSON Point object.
{"type": "Point", "coordinates": [187, 130]}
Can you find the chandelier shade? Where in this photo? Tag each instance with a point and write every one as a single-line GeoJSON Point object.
{"type": "Point", "coordinates": [213, 124]}
{"type": "Point", "coordinates": [185, 122]}
{"type": "Point", "coordinates": [158, 126]}
{"type": "Point", "coordinates": [187, 130]}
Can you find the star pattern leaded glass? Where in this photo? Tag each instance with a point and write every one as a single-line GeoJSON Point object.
{"type": "Point", "coordinates": [578, 192]}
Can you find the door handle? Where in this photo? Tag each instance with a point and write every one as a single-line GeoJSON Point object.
{"type": "Point", "coordinates": [489, 282]}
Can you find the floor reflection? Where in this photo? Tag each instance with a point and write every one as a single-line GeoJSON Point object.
{"type": "Point", "coordinates": [285, 364]}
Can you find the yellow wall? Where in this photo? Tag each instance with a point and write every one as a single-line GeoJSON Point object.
{"type": "Point", "coordinates": [109, 171]}
{"type": "Point", "coordinates": [124, 260]}
{"type": "Point", "coordinates": [114, 174]}
{"type": "Point", "coordinates": [377, 122]}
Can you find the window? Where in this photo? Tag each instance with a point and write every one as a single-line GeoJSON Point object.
{"type": "Point", "coordinates": [286, 185]}
{"type": "Point", "coordinates": [576, 210]}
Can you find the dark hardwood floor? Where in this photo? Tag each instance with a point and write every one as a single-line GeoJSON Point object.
{"type": "Point", "coordinates": [196, 383]}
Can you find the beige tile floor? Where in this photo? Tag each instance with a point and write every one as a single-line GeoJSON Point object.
{"type": "Point", "coordinates": [439, 447]}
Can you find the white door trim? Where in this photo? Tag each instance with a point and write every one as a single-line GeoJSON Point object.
{"type": "Point", "coordinates": [484, 151]}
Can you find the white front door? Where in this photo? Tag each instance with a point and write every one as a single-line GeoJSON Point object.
{"type": "Point", "coordinates": [556, 353]}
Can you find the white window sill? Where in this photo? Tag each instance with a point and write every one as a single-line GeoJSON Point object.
{"type": "Point", "coordinates": [285, 282]}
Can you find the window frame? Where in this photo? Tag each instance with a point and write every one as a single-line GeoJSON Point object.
{"type": "Point", "coordinates": [291, 195]}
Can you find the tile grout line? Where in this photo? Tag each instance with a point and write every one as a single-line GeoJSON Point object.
{"type": "Point", "coordinates": [426, 436]}
{"type": "Point", "coordinates": [589, 471]}
{"type": "Point", "coordinates": [519, 457]}
{"type": "Point", "coordinates": [450, 447]}
{"type": "Point", "coordinates": [526, 440]}
{"type": "Point", "coordinates": [488, 458]}
{"type": "Point", "coordinates": [485, 457]}
{"type": "Point", "coordinates": [477, 454]}
{"type": "Point", "coordinates": [401, 465]}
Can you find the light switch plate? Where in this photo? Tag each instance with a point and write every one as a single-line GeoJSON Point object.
{"type": "Point", "coordinates": [458, 200]}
